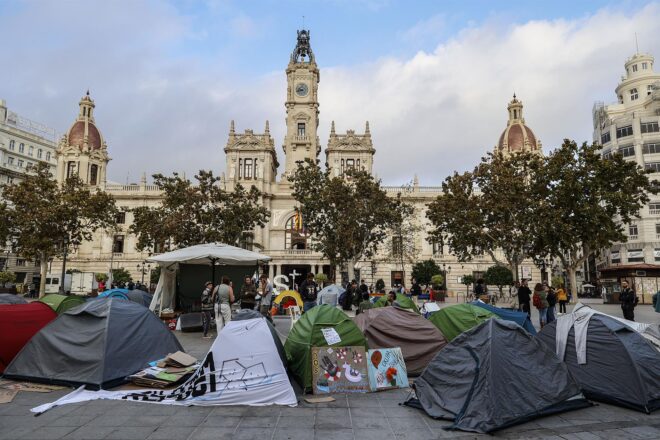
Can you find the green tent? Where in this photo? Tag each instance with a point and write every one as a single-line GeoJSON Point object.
{"type": "Point", "coordinates": [62, 303]}
{"type": "Point", "coordinates": [403, 300]}
{"type": "Point", "coordinates": [454, 320]}
{"type": "Point", "coordinates": [306, 333]}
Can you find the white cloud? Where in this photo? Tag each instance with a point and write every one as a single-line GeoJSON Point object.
{"type": "Point", "coordinates": [430, 114]}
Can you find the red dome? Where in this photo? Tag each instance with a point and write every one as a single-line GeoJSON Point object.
{"type": "Point", "coordinates": [515, 138]}
{"type": "Point", "coordinates": [77, 135]}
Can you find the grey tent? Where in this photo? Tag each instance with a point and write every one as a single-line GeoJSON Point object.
{"type": "Point", "coordinates": [96, 344]}
{"type": "Point", "coordinates": [10, 298]}
{"type": "Point", "coordinates": [247, 314]}
{"type": "Point", "coordinates": [493, 376]}
{"type": "Point", "coordinates": [140, 297]}
{"type": "Point", "coordinates": [618, 365]}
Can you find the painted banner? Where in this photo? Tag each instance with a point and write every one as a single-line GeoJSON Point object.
{"type": "Point", "coordinates": [339, 370]}
{"type": "Point", "coordinates": [387, 369]}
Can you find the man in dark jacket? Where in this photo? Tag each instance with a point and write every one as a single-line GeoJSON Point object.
{"type": "Point", "coordinates": [628, 300]}
{"type": "Point", "coordinates": [349, 295]}
{"type": "Point", "coordinates": [415, 289]}
{"type": "Point", "coordinates": [524, 297]}
{"type": "Point", "coordinates": [309, 292]}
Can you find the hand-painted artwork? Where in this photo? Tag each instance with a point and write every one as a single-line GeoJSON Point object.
{"type": "Point", "coordinates": [387, 369]}
{"type": "Point", "coordinates": [339, 370]}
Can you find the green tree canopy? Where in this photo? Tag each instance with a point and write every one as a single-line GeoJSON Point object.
{"type": "Point", "coordinates": [7, 277]}
{"type": "Point", "coordinates": [200, 213]}
{"type": "Point", "coordinates": [41, 214]}
{"type": "Point", "coordinates": [498, 276]}
{"type": "Point", "coordinates": [380, 284]}
{"type": "Point", "coordinates": [424, 271]}
{"type": "Point", "coordinates": [121, 275]}
{"type": "Point", "coordinates": [348, 216]}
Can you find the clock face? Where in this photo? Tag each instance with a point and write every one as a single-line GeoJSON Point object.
{"type": "Point", "coordinates": [301, 89]}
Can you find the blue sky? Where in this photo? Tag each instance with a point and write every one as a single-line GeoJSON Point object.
{"type": "Point", "coordinates": [432, 77]}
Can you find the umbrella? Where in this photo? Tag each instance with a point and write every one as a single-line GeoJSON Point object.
{"type": "Point", "coordinates": [588, 285]}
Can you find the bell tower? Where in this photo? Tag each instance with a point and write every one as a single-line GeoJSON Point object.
{"type": "Point", "coordinates": [302, 105]}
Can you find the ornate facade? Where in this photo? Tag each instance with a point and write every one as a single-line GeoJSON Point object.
{"type": "Point", "coordinates": [252, 159]}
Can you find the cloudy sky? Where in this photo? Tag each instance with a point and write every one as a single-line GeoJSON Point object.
{"type": "Point", "coordinates": [432, 77]}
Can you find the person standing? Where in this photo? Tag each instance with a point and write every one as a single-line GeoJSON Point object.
{"type": "Point", "coordinates": [223, 296]}
{"type": "Point", "coordinates": [363, 288]}
{"type": "Point", "coordinates": [309, 292]}
{"type": "Point", "coordinates": [479, 289]}
{"type": "Point", "coordinates": [347, 297]}
{"type": "Point", "coordinates": [207, 307]}
{"type": "Point", "coordinates": [552, 301]}
{"type": "Point", "coordinates": [266, 292]}
{"type": "Point", "coordinates": [562, 298]}
{"type": "Point", "coordinates": [248, 294]}
{"type": "Point", "coordinates": [540, 300]}
{"type": "Point", "coordinates": [628, 300]}
{"type": "Point", "coordinates": [524, 296]}
{"type": "Point", "coordinates": [513, 289]}
{"type": "Point", "coordinates": [415, 289]}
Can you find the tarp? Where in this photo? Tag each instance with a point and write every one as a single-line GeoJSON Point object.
{"type": "Point", "coordinates": [388, 327]}
{"type": "Point", "coordinates": [494, 376]}
{"type": "Point", "coordinates": [622, 367]}
{"type": "Point", "coordinates": [403, 301]}
{"type": "Point", "coordinates": [233, 373]}
{"type": "Point", "coordinates": [330, 294]}
{"type": "Point", "coordinates": [520, 318]}
{"type": "Point", "coordinates": [10, 298]}
{"type": "Point", "coordinates": [454, 320]}
{"type": "Point", "coordinates": [98, 344]}
{"type": "Point", "coordinates": [203, 253]}
{"type": "Point", "coordinates": [62, 303]}
{"type": "Point", "coordinates": [139, 296]}
{"type": "Point", "coordinates": [307, 332]}
{"type": "Point", "coordinates": [18, 323]}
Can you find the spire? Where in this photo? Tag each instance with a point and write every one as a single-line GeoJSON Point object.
{"type": "Point", "coordinates": [332, 128]}
{"type": "Point", "coordinates": [515, 109]}
{"type": "Point", "coordinates": [415, 181]}
{"type": "Point", "coordinates": [231, 127]}
{"type": "Point", "coordinates": [303, 51]}
{"type": "Point", "coordinates": [366, 129]}
{"type": "Point", "coordinates": [143, 179]}
{"type": "Point", "coordinates": [267, 130]}
{"type": "Point", "coordinates": [86, 108]}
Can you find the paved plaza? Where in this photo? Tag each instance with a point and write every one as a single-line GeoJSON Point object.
{"type": "Point", "coordinates": [377, 416]}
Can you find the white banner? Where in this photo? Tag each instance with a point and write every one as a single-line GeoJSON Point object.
{"type": "Point", "coordinates": [243, 367]}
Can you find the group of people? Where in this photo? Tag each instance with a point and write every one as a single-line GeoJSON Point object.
{"type": "Point", "coordinates": [544, 298]}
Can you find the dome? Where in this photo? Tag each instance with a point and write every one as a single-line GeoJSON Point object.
{"type": "Point", "coordinates": [517, 136]}
{"type": "Point", "coordinates": [77, 135]}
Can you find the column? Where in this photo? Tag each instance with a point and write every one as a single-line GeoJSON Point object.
{"type": "Point", "coordinates": [271, 271]}
{"type": "Point", "coordinates": [278, 269]}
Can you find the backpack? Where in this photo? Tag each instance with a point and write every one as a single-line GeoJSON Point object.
{"type": "Point", "coordinates": [536, 300]}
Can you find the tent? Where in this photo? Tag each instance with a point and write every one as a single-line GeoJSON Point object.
{"type": "Point", "coordinates": [62, 303]}
{"type": "Point", "coordinates": [611, 361]}
{"type": "Point", "coordinates": [454, 320]}
{"type": "Point", "coordinates": [482, 382]}
{"type": "Point", "coordinates": [401, 299]}
{"type": "Point", "coordinates": [114, 293]}
{"type": "Point", "coordinates": [520, 318]}
{"type": "Point", "coordinates": [209, 254]}
{"type": "Point", "coordinates": [306, 333]}
{"type": "Point", "coordinates": [10, 298]}
{"type": "Point", "coordinates": [232, 373]}
{"type": "Point", "coordinates": [387, 327]}
{"type": "Point", "coordinates": [18, 323]}
{"type": "Point", "coordinates": [246, 314]}
{"type": "Point", "coordinates": [139, 296]}
{"type": "Point", "coordinates": [97, 344]}
{"type": "Point", "coordinates": [330, 294]}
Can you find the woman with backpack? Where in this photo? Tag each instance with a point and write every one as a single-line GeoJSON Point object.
{"type": "Point", "coordinates": [540, 301]}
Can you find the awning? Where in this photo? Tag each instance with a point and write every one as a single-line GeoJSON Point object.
{"type": "Point", "coordinates": [206, 253]}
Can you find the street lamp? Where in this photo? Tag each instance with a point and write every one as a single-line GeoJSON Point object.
{"type": "Point", "coordinates": [65, 250]}
{"type": "Point", "coordinates": [143, 268]}
{"type": "Point", "coordinates": [445, 270]}
{"type": "Point", "coordinates": [11, 245]}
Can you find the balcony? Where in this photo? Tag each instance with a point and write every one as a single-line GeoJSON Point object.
{"type": "Point", "coordinates": [301, 139]}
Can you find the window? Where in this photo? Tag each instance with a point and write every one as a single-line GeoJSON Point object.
{"type": "Point", "coordinates": [47, 155]}
{"type": "Point", "coordinates": [295, 233]}
{"type": "Point", "coordinates": [20, 163]}
{"type": "Point", "coordinates": [656, 254]}
{"type": "Point", "coordinates": [634, 67]}
{"type": "Point", "coordinates": [649, 89]}
{"type": "Point", "coordinates": [350, 164]}
{"type": "Point", "coordinates": [438, 248]}
{"type": "Point", "coordinates": [645, 66]}
{"type": "Point", "coordinates": [30, 150]}
{"type": "Point", "coordinates": [397, 245]}
{"type": "Point", "coordinates": [657, 228]}
{"type": "Point", "coordinates": [301, 129]}
{"type": "Point", "coordinates": [240, 168]}
{"type": "Point", "coordinates": [118, 244]}
{"type": "Point", "coordinates": [654, 208]}
{"type": "Point", "coordinates": [397, 278]}
{"type": "Point", "coordinates": [357, 164]}
{"type": "Point", "coordinates": [605, 138]}
{"type": "Point", "coordinates": [12, 144]}
{"type": "Point", "coordinates": [342, 167]}
{"type": "Point", "coordinates": [93, 174]}
{"type": "Point", "coordinates": [10, 160]}
{"type": "Point", "coordinates": [635, 255]}
{"type": "Point", "coordinates": [653, 166]}
{"type": "Point", "coordinates": [607, 154]}
{"type": "Point", "coordinates": [255, 169]}
{"type": "Point", "coordinates": [627, 151]}
{"type": "Point", "coordinates": [632, 230]}
{"type": "Point", "coordinates": [650, 127]}
{"type": "Point", "coordinates": [616, 257]}
{"type": "Point", "coordinates": [40, 153]}
{"type": "Point", "coordinates": [70, 169]}
{"type": "Point", "coordinates": [624, 131]}
{"type": "Point", "coordinates": [20, 262]}
{"type": "Point", "coordinates": [21, 148]}
{"type": "Point", "coordinates": [633, 94]}
{"type": "Point", "coordinates": [620, 99]}
{"type": "Point", "coordinates": [651, 148]}
{"type": "Point", "coordinates": [247, 170]}
{"type": "Point", "coordinates": [121, 217]}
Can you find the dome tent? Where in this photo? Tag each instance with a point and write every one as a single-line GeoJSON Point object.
{"type": "Point", "coordinates": [611, 361]}
{"type": "Point", "coordinates": [470, 378]}
{"type": "Point", "coordinates": [454, 320]}
{"type": "Point", "coordinates": [10, 298]}
{"type": "Point", "coordinates": [97, 344]}
{"type": "Point", "coordinates": [388, 327]}
{"type": "Point", "coordinates": [306, 333]}
{"type": "Point", "coordinates": [403, 301]}
{"type": "Point", "coordinates": [139, 296]}
{"type": "Point", "coordinates": [62, 303]}
{"type": "Point", "coordinates": [520, 318]}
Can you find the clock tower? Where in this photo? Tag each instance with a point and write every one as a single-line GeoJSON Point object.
{"type": "Point", "coordinates": [302, 106]}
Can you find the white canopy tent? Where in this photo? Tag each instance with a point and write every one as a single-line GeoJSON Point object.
{"type": "Point", "coordinates": [210, 254]}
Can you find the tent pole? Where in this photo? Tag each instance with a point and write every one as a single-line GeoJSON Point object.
{"type": "Point", "coordinates": [213, 260]}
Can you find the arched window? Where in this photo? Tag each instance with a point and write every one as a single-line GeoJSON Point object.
{"type": "Point", "coordinates": [633, 94]}
{"type": "Point", "coordinates": [295, 233]}
{"type": "Point", "coordinates": [11, 144]}
{"type": "Point", "coordinates": [93, 174]}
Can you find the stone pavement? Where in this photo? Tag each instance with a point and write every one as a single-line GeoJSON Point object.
{"type": "Point", "coordinates": [368, 416]}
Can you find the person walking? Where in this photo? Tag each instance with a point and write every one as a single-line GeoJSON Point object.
{"type": "Point", "coordinates": [223, 296]}
{"type": "Point", "coordinates": [524, 297]}
{"type": "Point", "coordinates": [628, 300]}
{"type": "Point", "coordinates": [248, 294]}
{"type": "Point", "coordinates": [309, 292]}
{"type": "Point", "coordinates": [552, 301]}
{"type": "Point", "coordinates": [266, 292]}
{"type": "Point", "coordinates": [562, 298]}
{"type": "Point", "coordinates": [207, 308]}
{"type": "Point", "coordinates": [347, 297]}
{"type": "Point", "coordinates": [540, 300]}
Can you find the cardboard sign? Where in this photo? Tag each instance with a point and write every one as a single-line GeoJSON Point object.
{"type": "Point", "coordinates": [331, 336]}
{"type": "Point", "coordinates": [339, 370]}
{"type": "Point", "coordinates": [387, 369]}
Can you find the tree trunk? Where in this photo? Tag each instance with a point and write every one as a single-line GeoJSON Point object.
{"type": "Point", "coordinates": [351, 270]}
{"type": "Point", "coordinates": [573, 280]}
{"type": "Point", "coordinates": [44, 272]}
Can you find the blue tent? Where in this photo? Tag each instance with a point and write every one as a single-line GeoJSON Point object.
{"type": "Point", "coordinates": [114, 293]}
{"type": "Point", "coordinates": [519, 318]}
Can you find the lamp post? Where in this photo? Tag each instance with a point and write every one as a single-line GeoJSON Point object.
{"type": "Point", "coordinates": [445, 270]}
{"type": "Point", "coordinates": [65, 252]}
{"type": "Point", "coordinates": [143, 268]}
